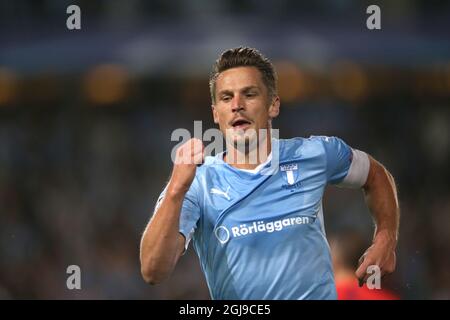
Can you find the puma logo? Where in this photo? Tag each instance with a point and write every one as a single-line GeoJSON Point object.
{"type": "Point", "coordinates": [222, 193]}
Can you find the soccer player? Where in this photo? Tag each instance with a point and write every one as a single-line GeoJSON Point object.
{"type": "Point", "coordinates": [260, 235]}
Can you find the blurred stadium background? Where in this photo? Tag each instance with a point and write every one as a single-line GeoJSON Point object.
{"type": "Point", "coordinates": [86, 118]}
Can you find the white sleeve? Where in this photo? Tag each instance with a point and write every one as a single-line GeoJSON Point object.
{"type": "Point", "coordinates": [358, 171]}
{"type": "Point", "coordinates": [188, 239]}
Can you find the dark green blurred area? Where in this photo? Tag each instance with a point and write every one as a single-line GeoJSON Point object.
{"type": "Point", "coordinates": [86, 118]}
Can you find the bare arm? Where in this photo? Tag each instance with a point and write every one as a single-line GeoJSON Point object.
{"type": "Point", "coordinates": [162, 244]}
{"type": "Point", "coordinates": [381, 198]}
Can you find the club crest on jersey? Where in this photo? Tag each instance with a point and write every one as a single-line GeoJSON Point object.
{"type": "Point", "coordinates": [290, 174]}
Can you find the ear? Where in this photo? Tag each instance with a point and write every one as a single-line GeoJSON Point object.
{"type": "Point", "coordinates": [215, 114]}
{"type": "Point", "coordinates": [274, 108]}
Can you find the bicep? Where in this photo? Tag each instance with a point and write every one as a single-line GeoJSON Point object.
{"type": "Point", "coordinates": [377, 175]}
{"type": "Point", "coordinates": [373, 171]}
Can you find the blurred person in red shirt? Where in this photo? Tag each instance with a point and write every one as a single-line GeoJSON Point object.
{"type": "Point", "coordinates": [345, 250]}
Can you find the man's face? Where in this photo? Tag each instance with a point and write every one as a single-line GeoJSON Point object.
{"type": "Point", "coordinates": [243, 102]}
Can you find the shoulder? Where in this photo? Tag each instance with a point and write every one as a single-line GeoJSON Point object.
{"type": "Point", "coordinates": [327, 148]}
{"type": "Point", "coordinates": [299, 146]}
{"type": "Point", "coordinates": [327, 144]}
{"type": "Point", "coordinates": [211, 165]}
{"type": "Point", "coordinates": [324, 140]}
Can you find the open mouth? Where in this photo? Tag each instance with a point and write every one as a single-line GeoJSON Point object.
{"type": "Point", "coordinates": [240, 124]}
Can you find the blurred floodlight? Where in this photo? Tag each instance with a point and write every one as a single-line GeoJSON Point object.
{"type": "Point", "coordinates": [348, 81]}
{"type": "Point", "coordinates": [106, 84]}
{"type": "Point", "coordinates": [292, 83]}
{"type": "Point", "coordinates": [8, 86]}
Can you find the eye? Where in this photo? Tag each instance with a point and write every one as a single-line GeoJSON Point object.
{"type": "Point", "coordinates": [250, 94]}
{"type": "Point", "coordinates": [225, 98]}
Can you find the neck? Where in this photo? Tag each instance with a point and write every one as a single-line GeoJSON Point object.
{"type": "Point", "coordinates": [251, 157]}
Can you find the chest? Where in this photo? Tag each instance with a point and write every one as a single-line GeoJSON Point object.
{"type": "Point", "coordinates": [289, 193]}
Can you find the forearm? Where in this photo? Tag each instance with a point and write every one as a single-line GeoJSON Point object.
{"type": "Point", "coordinates": [160, 244]}
{"type": "Point", "coordinates": [381, 198]}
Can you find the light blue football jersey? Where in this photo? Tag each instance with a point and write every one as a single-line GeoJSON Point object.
{"type": "Point", "coordinates": [262, 236]}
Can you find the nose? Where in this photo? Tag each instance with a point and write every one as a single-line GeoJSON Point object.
{"type": "Point", "coordinates": [237, 104]}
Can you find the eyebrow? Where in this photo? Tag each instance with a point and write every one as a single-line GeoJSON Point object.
{"type": "Point", "coordinates": [245, 89]}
